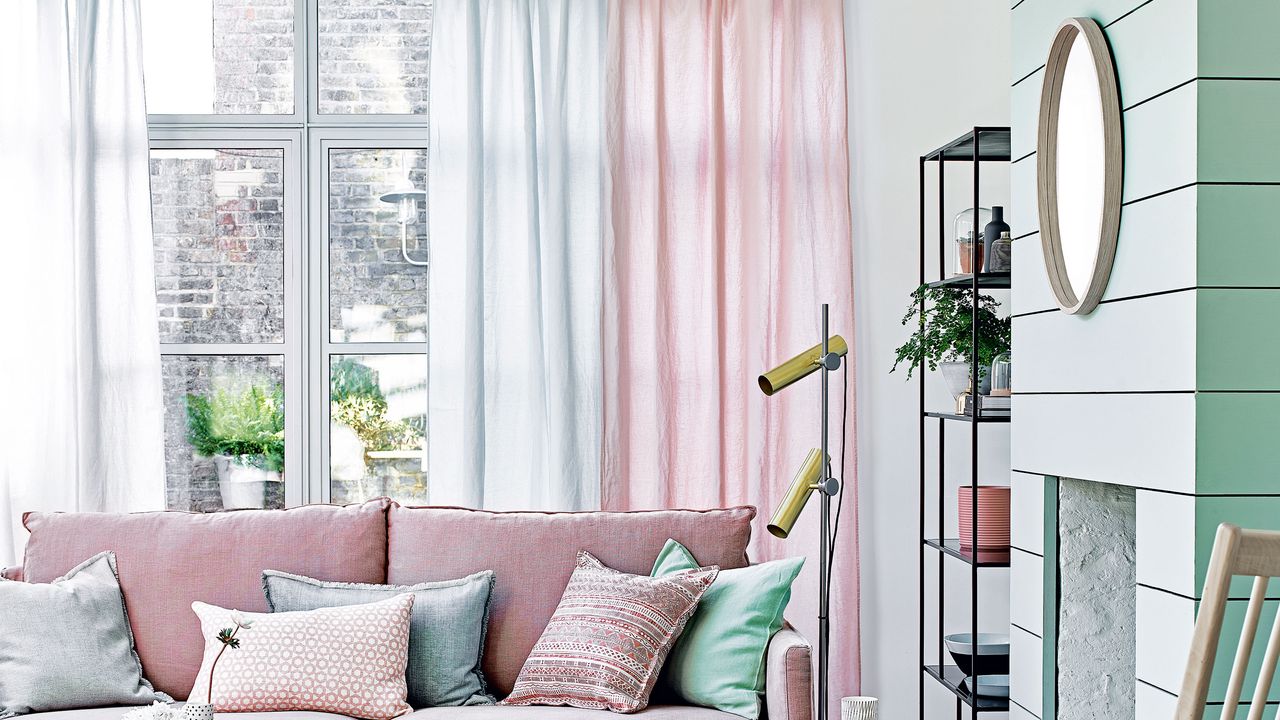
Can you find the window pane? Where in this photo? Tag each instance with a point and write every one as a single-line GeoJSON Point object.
{"type": "Point", "coordinates": [374, 56]}
{"type": "Point", "coordinates": [377, 420]}
{"type": "Point", "coordinates": [375, 295]}
{"type": "Point", "coordinates": [224, 431]}
{"type": "Point", "coordinates": [218, 56]}
{"type": "Point", "coordinates": [218, 223]}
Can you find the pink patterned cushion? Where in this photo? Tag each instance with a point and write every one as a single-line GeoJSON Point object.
{"type": "Point", "coordinates": [169, 559]}
{"type": "Point", "coordinates": [608, 638]}
{"type": "Point", "coordinates": [533, 554]}
{"type": "Point", "coordinates": [348, 660]}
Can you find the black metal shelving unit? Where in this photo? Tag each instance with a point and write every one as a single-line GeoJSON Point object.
{"type": "Point", "coordinates": [980, 145]}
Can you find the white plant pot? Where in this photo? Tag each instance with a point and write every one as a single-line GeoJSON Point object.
{"type": "Point", "coordinates": [242, 486]}
{"type": "Point", "coordinates": [956, 375]}
{"type": "Point", "coordinates": [197, 711]}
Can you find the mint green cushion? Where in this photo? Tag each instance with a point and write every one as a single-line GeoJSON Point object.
{"type": "Point", "coordinates": [719, 661]}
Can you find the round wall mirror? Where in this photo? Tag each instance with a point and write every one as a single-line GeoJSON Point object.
{"type": "Point", "coordinates": [1079, 165]}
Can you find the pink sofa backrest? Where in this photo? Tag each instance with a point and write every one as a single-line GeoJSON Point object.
{"type": "Point", "coordinates": [167, 560]}
{"type": "Point", "coordinates": [533, 553]}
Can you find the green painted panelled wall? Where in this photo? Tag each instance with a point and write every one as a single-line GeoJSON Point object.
{"type": "Point", "coordinates": [1173, 384]}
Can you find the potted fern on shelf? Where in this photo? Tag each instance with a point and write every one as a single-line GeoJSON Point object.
{"type": "Point", "coordinates": [946, 339]}
{"type": "Point", "coordinates": [243, 432]}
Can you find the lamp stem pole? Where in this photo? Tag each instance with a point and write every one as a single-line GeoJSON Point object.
{"type": "Point", "coordinates": [824, 581]}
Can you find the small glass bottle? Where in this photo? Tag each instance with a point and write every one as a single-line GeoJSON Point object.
{"type": "Point", "coordinates": [1001, 259]}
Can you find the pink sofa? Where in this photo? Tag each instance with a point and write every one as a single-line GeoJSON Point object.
{"type": "Point", "coordinates": [169, 559]}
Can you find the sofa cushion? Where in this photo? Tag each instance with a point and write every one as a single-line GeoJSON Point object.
{"type": "Point", "coordinates": [167, 560]}
{"type": "Point", "coordinates": [534, 553]}
{"type": "Point", "coordinates": [67, 644]}
{"type": "Point", "coordinates": [348, 660]}
{"type": "Point", "coordinates": [446, 635]}
{"type": "Point", "coordinates": [609, 637]}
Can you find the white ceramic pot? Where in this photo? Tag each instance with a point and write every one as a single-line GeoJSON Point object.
{"type": "Point", "coordinates": [956, 375]}
{"type": "Point", "coordinates": [197, 711]}
{"type": "Point", "coordinates": [858, 708]}
{"type": "Point", "coordinates": [241, 485]}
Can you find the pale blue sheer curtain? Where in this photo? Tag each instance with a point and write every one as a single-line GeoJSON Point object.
{"type": "Point", "coordinates": [516, 221]}
{"type": "Point", "coordinates": [81, 424]}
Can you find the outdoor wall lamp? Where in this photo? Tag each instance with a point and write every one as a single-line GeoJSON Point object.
{"type": "Point", "coordinates": [406, 198]}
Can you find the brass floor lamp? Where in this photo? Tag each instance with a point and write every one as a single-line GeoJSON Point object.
{"type": "Point", "coordinates": [814, 474]}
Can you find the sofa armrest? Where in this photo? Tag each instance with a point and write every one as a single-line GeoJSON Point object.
{"type": "Point", "coordinates": [788, 684]}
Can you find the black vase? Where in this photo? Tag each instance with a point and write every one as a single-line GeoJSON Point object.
{"type": "Point", "coordinates": [991, 233]}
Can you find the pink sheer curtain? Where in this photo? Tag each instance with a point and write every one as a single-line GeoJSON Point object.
{"type": "Point", "coordinates": [729, 197]}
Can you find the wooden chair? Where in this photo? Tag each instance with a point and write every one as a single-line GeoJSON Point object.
{"type": "Point", "coordinates": [1253, 553]}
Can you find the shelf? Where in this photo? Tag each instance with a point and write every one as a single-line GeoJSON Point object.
{"type": "Point", "coordinates": [994, 144]}
{"type": "Point", "coordinates": [986, 558]}
{"type": "Point", "coordinates": [986, 281]}
{"type": "Point", "coordinates": [969, 418]}
{"type": "Point", "coordinates": [952, 678]}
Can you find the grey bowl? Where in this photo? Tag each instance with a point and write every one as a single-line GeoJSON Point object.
{"type": "Point", "coordinates": [989, 656]}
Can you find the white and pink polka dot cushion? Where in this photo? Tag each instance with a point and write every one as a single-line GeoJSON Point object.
{"type": "Point", "coordinates": [347, 660]}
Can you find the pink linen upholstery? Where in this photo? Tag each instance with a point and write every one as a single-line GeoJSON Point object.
{"type": "Point", "coordinates": [476, 712]}
{"type": "Point", "coordinates": [534, 553]}
{"type": "Point", "coordinates": [167, 560]}
{"type": "Point", "coordinates": [542, 712]}
{"type": "Point", "coordinates": [788, 683]}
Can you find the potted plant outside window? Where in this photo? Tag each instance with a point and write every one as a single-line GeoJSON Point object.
{"type": "Point", "coordinates": [244, 434]}
{"type": "Point", "coordinates": [946, 339]}
{"type": "Point", "coordinates": [364, 433]}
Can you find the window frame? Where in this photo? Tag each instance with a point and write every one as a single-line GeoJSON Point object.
{"type": "Point", "coordinates": [306, 137]}
{"type": "Point", "coordinates": [321, 348]}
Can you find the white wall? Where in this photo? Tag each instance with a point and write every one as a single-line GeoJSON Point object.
{"type": "Point", "coordinates": [921, 72]}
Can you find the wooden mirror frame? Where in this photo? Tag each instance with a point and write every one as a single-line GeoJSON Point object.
{"type": "Point", "coordinates": [1071, 31]}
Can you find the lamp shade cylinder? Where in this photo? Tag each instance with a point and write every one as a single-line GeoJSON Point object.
{"type": "Point", "coordinates": [806, 480]}
{"type": "Point", "coordinates": [800, 365]}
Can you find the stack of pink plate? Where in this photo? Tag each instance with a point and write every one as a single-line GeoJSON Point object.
{"type": "Point", "coordinates": [993, 517]}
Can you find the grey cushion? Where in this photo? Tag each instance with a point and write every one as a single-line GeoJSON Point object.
{"type": "Point", "coordinates": [67, 644]}
{"type": "Point", "coordinates": [446, 631]}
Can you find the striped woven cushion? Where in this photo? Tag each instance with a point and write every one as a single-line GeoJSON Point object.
{"type": "Point", "coordinates": [608, 638]}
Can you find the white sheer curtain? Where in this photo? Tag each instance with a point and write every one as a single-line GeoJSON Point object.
{"type": "Point", "coordinates": [81, 425]}
{"type": "Point", "coordinates": [515, 221]}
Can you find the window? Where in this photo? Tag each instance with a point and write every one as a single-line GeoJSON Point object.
{"type": "Point", "coordinates": [288, 170]}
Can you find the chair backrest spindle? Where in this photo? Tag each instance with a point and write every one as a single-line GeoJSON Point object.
{"type": "Point", "coordinates": [1236, 552]}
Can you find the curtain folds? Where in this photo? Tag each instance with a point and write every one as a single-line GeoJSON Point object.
{"type": "Point", "coordinates": [515, 212]}
{"type": "Point", "coordinates": [729, 226]}
{"type": "Point", "coordinates": [82, 423]}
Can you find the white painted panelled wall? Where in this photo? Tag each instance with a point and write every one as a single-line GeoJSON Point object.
{"type": "Point", "coordinates": [1171, 385]}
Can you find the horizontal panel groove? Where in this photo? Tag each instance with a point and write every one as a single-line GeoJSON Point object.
{"type": "Point", "coordinates": [1107, 392]}
{"type": "Point", "coordinates": [1015, 702]}
{"type": "Point", "coordinates": [1134, 10]}
{"type": "Point", "coordinates": [1024, 77]}
{"type": "Point", "coordinates": [1157, 687]}
{"type": "Point", "coordinates": [1271, 595]}
{"type": "Point", "coordinates": [1161, 94]}
{"type": "Point", "coordinates": [1244, 702]}
{"type": "Point", "coordinates": [1145, 488]}
{"type": "Point", "coordinates": [1029, 632]}
{"type": "Point", "coordinates": [1158, 194]}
